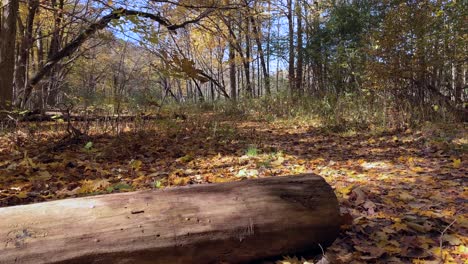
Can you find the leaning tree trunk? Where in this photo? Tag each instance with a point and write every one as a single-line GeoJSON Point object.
{"type": "Point", "coordinates": [232, 222]}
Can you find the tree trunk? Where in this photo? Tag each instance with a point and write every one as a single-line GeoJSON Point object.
{"type": "Point", "coordinates": [246, 62]}
{"type": "Point", "coordinates": [291, 74]}
{"type": "Point", "coordinates": [266, 75]}
{"type": "Point", "coordinates": [55, 46]}
{"type": "Point", "coordinates": [8, 16]}
{"type": "Point", "coordinates": [21, 70]}
{"type": "Point", "coordinates": [300, 56]}
{"type": "Point", "coordinates": [235, 222]}
{"type": "Point", "coordinates": [232, 71]}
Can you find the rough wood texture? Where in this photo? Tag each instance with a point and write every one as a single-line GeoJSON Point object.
{"type": "Point", "coordinates": [235, 222]}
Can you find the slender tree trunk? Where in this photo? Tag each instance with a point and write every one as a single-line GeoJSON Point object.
{"type": "Point", "coordinates": [291, 74]}
{"type": "Point", "coordinates": [8, 16]}
{"type": "Point", "coordinates": [248, 82]}
{"type": "Point", "coordinates": [268, 40]}
{"type": "Point", "coordinates": [201, 98]}
{"type": "Point", "coordinates": [459, 83]}
{"type": "Point", "coordinates": [212, 88]}
{"type": "Point", "coordinates": [277, 60]}
{"type": "Point", "coordinates": [180, 93]}
{"type": "Point", "coordinates": [240, 78]}
{"type": "Point", "coordinates": [300, 57]}
{"type": "Point", "coordinates": [266, 77]}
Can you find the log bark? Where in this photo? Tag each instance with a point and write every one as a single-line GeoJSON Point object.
{"type": "Point", "coordinates": [235, 222]}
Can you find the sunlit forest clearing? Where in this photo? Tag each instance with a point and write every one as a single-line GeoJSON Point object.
{"type": "Point", "coordinates": [109, 108]}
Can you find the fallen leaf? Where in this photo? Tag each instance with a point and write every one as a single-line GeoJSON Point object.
{"type": "Point", "coordinates": [358, 195]}
{"type": "Point", "coordinates": [373, 252]}
{"type": "Point", "coordinates": [404, 196]}
{"type": "Point", "coordinates": [136, 164]}
{"type": "Point", "coordinates": [456, 163]}
{"type": "Point", "coordinates": [453, 240]}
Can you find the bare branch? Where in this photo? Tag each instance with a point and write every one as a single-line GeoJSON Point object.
{"type": "Point", "coordinates": [98, 25]}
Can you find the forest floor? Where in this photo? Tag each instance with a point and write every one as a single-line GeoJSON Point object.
{"type": "Point", "coordinates": [403, 194]}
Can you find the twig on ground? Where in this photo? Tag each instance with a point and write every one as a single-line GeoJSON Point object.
{"type": "Point", "coordinates": [441, 239]}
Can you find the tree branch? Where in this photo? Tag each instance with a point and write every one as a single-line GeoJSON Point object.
{"type": "Point", "coordinates": [98, 25]}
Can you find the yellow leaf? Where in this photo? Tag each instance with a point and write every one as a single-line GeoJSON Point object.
{"type": "Point", "coordinates": [400, 226]}
{"type": "Point", "coordinates": [89, 186]}
{"type": "Point", "coordinates": [109, 2]}
{"type": "Point", "coordinates": [346, 190]}
{"type": "Point", "coordinates": [185, 159]}
{"type": "Point", "coordinates": [278, 162]}
{"type": "Point", "coordinates": [417, 169]}
{"type": "Point", "coordinates": [457, 163]}
{"type": "Point", "coordinates": [179, 181]}
{"type": "Point", "coordinates": [22, 195]}
{"type": "Point", "coordinates": [136, 164]}
{"type": "Point", "coordinates": [462, 249]}
{"type": "Point", "coordinates": [299, 169]}
{"type": "Point", "coordinates": [392, 249]}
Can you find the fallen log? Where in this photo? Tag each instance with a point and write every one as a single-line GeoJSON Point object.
{"type": "Point", "coordinates": [89, 118]}
{"type": "Point", "coordinates": [234, 222]}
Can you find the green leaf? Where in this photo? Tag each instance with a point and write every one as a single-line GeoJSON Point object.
{"type": "Point", "coordinates": [157, 184]}
{"type": "Point", "coordinates": [88, 145]}
{"type": "Point", "coordinates": [252, 151]}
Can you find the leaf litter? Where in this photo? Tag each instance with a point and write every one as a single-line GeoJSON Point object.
{"type": "Point", "coordinates": [402, 194]}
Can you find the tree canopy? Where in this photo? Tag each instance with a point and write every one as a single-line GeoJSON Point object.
{"type": "Point", "coordinates": [393, 49]}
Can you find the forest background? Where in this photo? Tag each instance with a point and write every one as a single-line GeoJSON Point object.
{"type": "Point", "coordinates": [389, 63]}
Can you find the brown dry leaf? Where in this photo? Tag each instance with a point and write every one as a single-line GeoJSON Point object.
{"type": "Point", "coordinates": [370, 251]}
{"type": "Point", "coordinates": [417, 227]}
{"type": "Point", "coordinates": [370, 206]}
{"type": "Point", "coordinates": [358, 196]}
{"type": "Point", "coordinates": [453, 240]}
{"type": "Point", "coordinates": [405, 196]}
